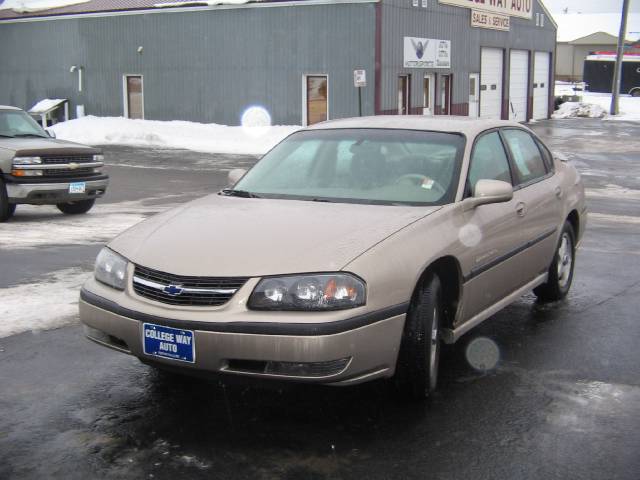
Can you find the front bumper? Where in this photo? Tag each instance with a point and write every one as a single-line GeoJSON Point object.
{"type": "Point", "coordinates": [51, 193]}
{"type": "Point", "coordinates": [369, 342]}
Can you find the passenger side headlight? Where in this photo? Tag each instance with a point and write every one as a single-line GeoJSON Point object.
{"type": "Point", "coordinates": [330, 291]}
{"type": "Point", "coordinates": [111, 269]}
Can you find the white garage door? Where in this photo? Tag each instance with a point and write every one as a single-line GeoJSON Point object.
{"type": "Point", "coordinates": [491, 69]}
{"type": "Point", "coordinates": [541, 86]}
{"type": "Point", "coordinates": [518, 83]}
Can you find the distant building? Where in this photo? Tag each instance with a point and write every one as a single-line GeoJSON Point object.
{"type": "Point", "coordinates": [193, 60]}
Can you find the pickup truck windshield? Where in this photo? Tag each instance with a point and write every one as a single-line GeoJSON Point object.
{"type": "Point", "coordinates": [377, 166]}
{"type": "Point", "coordinates": [15, 123]}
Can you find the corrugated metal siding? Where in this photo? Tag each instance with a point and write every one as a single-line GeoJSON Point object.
{"type": "Point", "coordinates": [400, 19]}
{"type": "Point", "coordinates": [205, 66]}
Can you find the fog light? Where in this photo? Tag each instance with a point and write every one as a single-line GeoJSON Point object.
{"type": "Point", "coordinates": [307, 369]}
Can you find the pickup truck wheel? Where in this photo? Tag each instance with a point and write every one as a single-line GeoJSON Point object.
{"type": "Point", "coordinates": [419, 357]}
{"type": "Point", "coordinates": [561, 269]}
{"type": "Point", "coordinates": [6, 208]}
{"type": "Point", "coordinates": [74, 208]}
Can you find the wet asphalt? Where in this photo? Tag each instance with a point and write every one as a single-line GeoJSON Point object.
{"type": "Point", "coordinates": [563, 402]}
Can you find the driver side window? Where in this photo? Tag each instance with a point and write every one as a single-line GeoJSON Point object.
{"type": "Point", "coordinates": [488, 162]}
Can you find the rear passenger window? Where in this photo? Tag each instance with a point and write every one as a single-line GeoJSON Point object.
{"type": "Point", "coordinates": [526, 155]}
{"type": "Point", "coordinates": [546, 156]}
{"type": "Point", "coordinates": [488, 161]}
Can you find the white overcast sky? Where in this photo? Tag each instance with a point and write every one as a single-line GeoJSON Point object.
{"type": "Point", "coordinates": [590, 6]}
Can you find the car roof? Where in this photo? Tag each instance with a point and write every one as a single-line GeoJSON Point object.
{"type": "Point", "coordinates": [8, 107]}
{"type": "Point", "coordinates": [466, 125]}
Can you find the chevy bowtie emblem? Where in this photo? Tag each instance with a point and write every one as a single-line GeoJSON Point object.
{"type": "Point", "coordinates": [173, 290]}
{"type": "Point", "coordinates": [73, 166]}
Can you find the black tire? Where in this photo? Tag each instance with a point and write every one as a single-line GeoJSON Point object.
{"type": "Point", "coordinates": [75, 208]}
{"type": "Point", "coordinates": [561, 269]}
{"type": "Point", "coordinates": [6, 208]}
{"type": "Point", "coordinates": [635, 92]}
{"type": "Point", "coordinates": [419, 358]}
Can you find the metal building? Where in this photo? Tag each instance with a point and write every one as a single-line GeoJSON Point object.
{"type": "Point", "coordinates": [164, 60]}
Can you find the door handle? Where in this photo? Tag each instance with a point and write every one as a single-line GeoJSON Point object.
{"type": "Point", "coordinates": [558, 192]}
{"type": "Point", "coordinates": [521, 209]}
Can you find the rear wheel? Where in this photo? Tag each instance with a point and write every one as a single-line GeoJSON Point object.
{"type": "Point", "coordinates": [419, 358]}
{"type": "Point", "coordinates": [560, 273]}
{"type": "Point", "coordinates": [635, 92]}
{"type": "Point", "coordinates": [74, 208]}
{"type": "Point", "coordinates": [6, 208]}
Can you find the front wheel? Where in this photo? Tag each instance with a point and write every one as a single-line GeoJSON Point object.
{"type": "Point", "coordinates": [560, 274]}
{"type": "Point", "coordinates": [75, 208]}
{"type": "Point", "coordinates": [6, 208]}
{"type": "Point", "coordinates": [419, 357]}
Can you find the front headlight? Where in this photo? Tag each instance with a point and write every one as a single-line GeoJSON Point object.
{"type": "Point", "coordinates": [111, 269]}
{"type": "Point", "coordinates": [326, 291]}
{"type": "Point", "coordinates": [27, 161]}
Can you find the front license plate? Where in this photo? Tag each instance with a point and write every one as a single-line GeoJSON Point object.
{"type": "Point", "coordinates": [167, 342]}
{"type": "Point", "coordinates": [77, 187]}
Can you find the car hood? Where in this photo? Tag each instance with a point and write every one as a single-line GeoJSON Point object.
{"type": "Point", "coordinates": [231, 236]}
{"type": "Point", "coordinates": [36, 146]}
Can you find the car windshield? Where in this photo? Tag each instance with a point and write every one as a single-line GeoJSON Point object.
{"type": "Point", "coordinates": [15, 123]}
{"type": "Point", "coordinates": [384, 166]}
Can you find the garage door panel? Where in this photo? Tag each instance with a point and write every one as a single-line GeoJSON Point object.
{"type": "Point", "coordinates": [541, 85]}
{"type": "Point", "coordinates": [491, 73]}
{"type": "Point", "coordinates": [518, 85]}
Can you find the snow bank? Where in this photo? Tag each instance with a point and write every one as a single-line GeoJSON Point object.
{"type": "Point", "coordinates": [50, 303]}
{"type": "Point", "coordinates": [210, 138]}
{"type": "Point", "coordinates": [579, 109]}
{"type": "Point", "coordinates": [597, 105]}
{"type": "Point", "coordinates": [26, 6]}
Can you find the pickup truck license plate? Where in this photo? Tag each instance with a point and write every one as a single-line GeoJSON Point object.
{"type": "Point", "coordinates": [166, 342]}
{"type": "Point", "coordinates": [77, 187]}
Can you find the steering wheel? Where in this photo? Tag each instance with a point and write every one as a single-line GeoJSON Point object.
{"type": "Point", "coordinates": [418, 180]}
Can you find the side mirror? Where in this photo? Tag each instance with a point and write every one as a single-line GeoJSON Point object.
{"type": "Point", "coordinates": [489, 191]}
{"type": "Point", "coordinates": [51, 133]}
{"type": "Point", "coordinates": [235, 175]}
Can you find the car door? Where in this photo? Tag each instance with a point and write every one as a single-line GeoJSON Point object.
{"type": "Point", "coordinates": [538, 200]}
{"type": "Point", "coordinates": [491, 233]}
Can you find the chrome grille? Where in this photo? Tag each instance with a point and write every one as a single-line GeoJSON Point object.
{"type": "Point", "coordinates": [68, 172]}
{"type": "Point", "coordinates": [62, 159]}
{"type": "Point", "coordinates": [185, 290]}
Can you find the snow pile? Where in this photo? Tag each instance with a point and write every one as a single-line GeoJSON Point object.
{"type": "Point", "coordinates": [210, 138]}
{"type": "Point", "coordinates": [579, 109]}
{"type": "Point", "coordinates": [191, 3]}
{"type": "Point", "coordinates": [45, 105]}
{"type": "Point", "coordinates": [26, 6]}
{"type": "Point", "coordinates": [49, 303]}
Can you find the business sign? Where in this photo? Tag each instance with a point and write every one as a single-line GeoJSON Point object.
{"type": "Point", "coordinates": [513, 8]}
{"type": "Point", "coordinates": [490, 20]}
{"type": "Point", "coordinates": [426, 53]}
{"type": "Point", "coordinates": [359, 78]}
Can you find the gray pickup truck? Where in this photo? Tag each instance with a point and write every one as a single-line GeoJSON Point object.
{"type": "Point", "coordinates": [37, 169]}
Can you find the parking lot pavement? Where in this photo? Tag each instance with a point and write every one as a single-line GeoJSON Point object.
{"type": "Point", "coordinates": [563, 403]}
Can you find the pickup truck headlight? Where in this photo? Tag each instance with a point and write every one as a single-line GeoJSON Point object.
{"type": "Point", "coordinates": [111, 269]}
{"type": "Point", "coordinates": [330, 291]}
{"type": "Point", "coordinates": [27, 161]}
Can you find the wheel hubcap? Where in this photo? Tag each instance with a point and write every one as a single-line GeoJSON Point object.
{"type": "Point", "coordinates": [435, 346]}
{"type": "Point", "coordinates": [565, 260]}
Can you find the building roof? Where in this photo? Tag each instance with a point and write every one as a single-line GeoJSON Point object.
{"type": "Point", "coordinates": [575, 26]}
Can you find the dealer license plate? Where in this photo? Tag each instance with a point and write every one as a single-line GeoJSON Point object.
{"type": "Point", "coordinates": [77, 187]}
{"type": "Point", "coordinates": [166, 342]}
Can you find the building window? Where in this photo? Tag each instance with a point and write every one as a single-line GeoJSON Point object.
{"type": "Point", "coordinates": [316, 96]}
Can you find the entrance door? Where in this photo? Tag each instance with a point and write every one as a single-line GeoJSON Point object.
{"type": "Point", "coordinates": [133, 97]}
{"type": "Point", "coordinates": [316, 94]}
{"type": "Point", "coordinates": [403, 95]}
{"type": "Point", "coordinates": [518, 85]}
{"type": "Point", "coordinates": [541, 86]}
{"type": "Point", "coordinates": [445, 95]}
{"type": "Point", "coordinates": [491, 68]}
{"type": "Point", "coordinates": [428, 95]}
{"type": "Point", "coordinates": [474, 95]}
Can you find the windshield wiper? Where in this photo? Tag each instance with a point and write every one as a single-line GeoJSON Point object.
{"type": "Point", "coordinates": [29, 135]}
{"type": "Point", "coordinates": [230, 192]}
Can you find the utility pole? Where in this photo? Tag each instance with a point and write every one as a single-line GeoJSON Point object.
{"type": "Point", "coordinates": [617, 73]}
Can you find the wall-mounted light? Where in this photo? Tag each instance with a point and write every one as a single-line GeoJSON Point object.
{"type": "Point", "coordinates": [79, 69]}
{"type": "Point", "coordinates": [140, 49]}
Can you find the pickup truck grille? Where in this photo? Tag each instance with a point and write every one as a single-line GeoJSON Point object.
{"type": "Point", "coordinates": [185, 290]}
{"type": "Point", "coordinates": [62, 159]}
{"type": "Point", "coordinates": [78, 172]}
